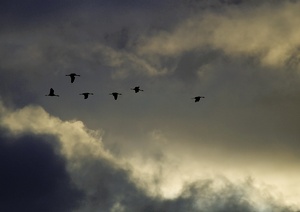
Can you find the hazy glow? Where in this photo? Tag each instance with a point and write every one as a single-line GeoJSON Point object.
{"type": "Point", "coordinates": [268, 33]}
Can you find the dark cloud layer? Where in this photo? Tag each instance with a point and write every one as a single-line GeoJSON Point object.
{"type": "Point", "coordinates": [21, 13]}
{"type": "Point", "coordinates": [33, 9]}
{"type": "Point", "coordinates": [33, 177]}
{"type": "Point", "coordinates": [17, 13]}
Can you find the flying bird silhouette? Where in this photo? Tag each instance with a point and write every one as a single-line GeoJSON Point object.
{"type": "Point", "coordinates": [197, 98]}
{"type": "Point", "coordinates": [137, 89]}
{"type": "Point", "coordinates": [51, 93]}
{"type": "Point", "coordinates": [73, 75]}
{"type": "Point", "coordinates": [115, 95]}
{"type": "Point", "coordinates": [86, 95]}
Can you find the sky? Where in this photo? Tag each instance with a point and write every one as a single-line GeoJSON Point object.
{"type": "Point", "coordinates": [237, 150]}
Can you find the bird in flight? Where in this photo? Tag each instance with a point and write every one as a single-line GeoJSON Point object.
{"type": "Point", "coordinates": [51, 93]}
{"type": "Point", "coordinates": [197, 98]}
{"type": "Point", "coordinates": [86, 95]}
{"type": "Point", "coordinates": [73, 75]}
{"type": "Point", "coordinates": [115, 95]}
{"type": "Point", "coordinates": [137, 89]}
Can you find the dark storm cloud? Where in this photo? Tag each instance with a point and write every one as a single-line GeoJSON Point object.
{"type": "Point", "coordinates": [27, 161]}
{"type": "Point", "coordinates": [33, 177]}
{"type": "Point", "coordinates": [32, 173]}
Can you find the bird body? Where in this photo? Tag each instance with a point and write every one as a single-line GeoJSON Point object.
{"type": "Point", "coordinates": [137, 89]}
{"type": "Point", "coordinates": [51, 93]}
{"type": "Point", "coordinates": [115, 95]}
{"type": "Point", "coordinates": [73, 75]}
{"type": "Point", "coordinates": [86, 95]}
{"type": "Point", "coordinates": [197, 98]}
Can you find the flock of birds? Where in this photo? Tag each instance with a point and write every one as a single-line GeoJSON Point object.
{"type": "Point", "coordinates": [114, 94]}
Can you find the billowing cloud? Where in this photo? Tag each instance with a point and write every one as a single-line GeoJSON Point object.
{"type": "Point", "coordinates": [100, 180]}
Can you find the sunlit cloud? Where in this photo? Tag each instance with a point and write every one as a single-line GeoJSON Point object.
{"type": "Point", "coordinates": [268, 33]}
{"type": "Point", "coordinates": [94, 170]}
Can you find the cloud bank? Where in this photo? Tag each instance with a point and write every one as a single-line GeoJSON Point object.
{"type": "Point", "coordinates": [63, 165]}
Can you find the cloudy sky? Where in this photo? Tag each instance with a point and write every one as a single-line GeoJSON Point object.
{"type": "Point", "coordinates": [157, 150]}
